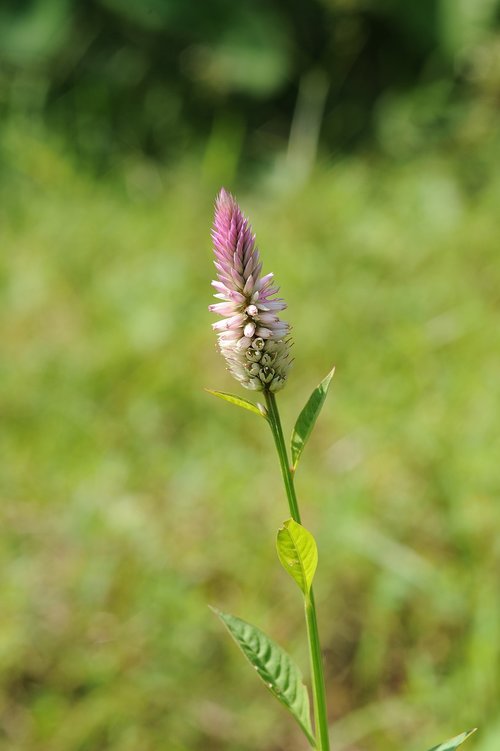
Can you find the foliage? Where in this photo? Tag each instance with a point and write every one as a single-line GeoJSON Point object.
{"type": "Point", "coordinates": [453, 743]}
{"type": "Point", "coordinates": [307, 419]}
{"type": "Point", "coordinates": [167, 76]}
{"type": "Point", "coordinates": [131, 499]}
{"type": "Point", "coordinates": [298, 553]}
{"type": "Point", "coordinates": [239, 401]}
{"type": "Point", "coordinates": [278, 671]}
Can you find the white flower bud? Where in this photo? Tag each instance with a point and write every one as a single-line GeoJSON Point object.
{"type": "Point", "coordinates": [249, 329]}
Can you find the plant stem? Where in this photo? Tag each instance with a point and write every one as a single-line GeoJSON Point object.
{"type": "Point", "coordinates": [275, 423]}
{"type": "Point", "coordinates": [319, 698]}
{"type": "Point", "coordinates": [318, 680]}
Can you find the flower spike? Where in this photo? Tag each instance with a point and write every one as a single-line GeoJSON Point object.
{"type": "Point", "coordinates": [254, 341]}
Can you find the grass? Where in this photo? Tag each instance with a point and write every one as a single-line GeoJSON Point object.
{"type": "Point", "coordinates": [131, 499]}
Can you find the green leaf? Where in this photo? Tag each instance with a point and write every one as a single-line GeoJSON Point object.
{"type": "Point", "coordinates": [298, 553]}
{"type": "Point", "coordinates": [240, 402]}
{"type": "Point", "coordinates": [307, 418]}
{"type": "Point", "coordinates": [276, 668]}
{"type": "Point", "coordinates": [453, 742]}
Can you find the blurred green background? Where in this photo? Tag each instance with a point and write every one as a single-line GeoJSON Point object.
{"type": "Point", "coordinates": [362, 138]}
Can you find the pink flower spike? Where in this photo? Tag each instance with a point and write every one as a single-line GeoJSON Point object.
{"type": "Point", "coordinates": [257, 355]}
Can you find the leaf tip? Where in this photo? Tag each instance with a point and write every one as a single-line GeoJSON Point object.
{"type": "Point", "coordinates": [327, 379]}
{"type": "Point", "coordinates": [453, 743]}
{"type": "Point", "coordinates": [216, 611]}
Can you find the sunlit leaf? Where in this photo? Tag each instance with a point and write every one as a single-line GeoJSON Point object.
{"type": "Point", "coordinates": [307, 418]}
{"type": "Point", "coordinates": [239, 402]}
{"type": "Point", "coordinates": [276, 668]}
{"type": "Point", "coordinates": [453, 743]}
{"type": "Point", "coordinates": [298, 553]}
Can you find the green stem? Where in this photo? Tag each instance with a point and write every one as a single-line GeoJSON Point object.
{"type": "Point", "coordinates": [319, 698]}
{"type": "Point", "coordinates": [318, 680]}
{"type": "Point", "coordinates": [275, 423]}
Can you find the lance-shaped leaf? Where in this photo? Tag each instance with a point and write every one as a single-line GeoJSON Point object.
{"type": "Point", "coordinates": [453, 743]}
{"type": "Point", "coordinates": [276, 668]}
{"type": "Point", "coordinates": [307, 418]}
{"type": "Point", "coordinates": [298, 553]}
{"type": "Point", "coordinates": [239, 402]}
